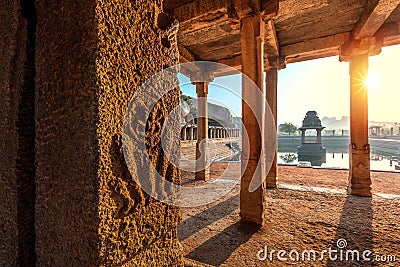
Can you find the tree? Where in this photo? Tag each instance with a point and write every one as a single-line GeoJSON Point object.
{"type": "Point", "coordinates": [189, 101]}
{"type": "Point", "coordinates": [288, 128]}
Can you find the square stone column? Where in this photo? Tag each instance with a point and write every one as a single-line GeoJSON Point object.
{"type": "Point", "coordinates": [319, 136]}
{"type": "Point", "coordinates": [359, 177]}
{"type": "Point", "coordinates": [202, 150]}
{"type": "Point", "coordinates": [252, 204]}
{"type": "Point", "coordinates": [91, 59]}
{"type": "Point", "coordinates": [183, 134]}
{"type": "Point", "coordinates": [271, 86]}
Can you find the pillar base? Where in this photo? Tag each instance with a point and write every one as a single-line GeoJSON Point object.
{"type": "Point", "coordinates": [360, 178]}
{"type": "Point", "coordinates": [272, 182]}
{"type": "Point", "coordinates": [252, 204]}
{"type": "Point", "coordinates": [360, 192]}
{"type": "Point", "coordinates": [203, 163]}
{"type": "Point", "coordinates": [203, 175]}
{"type": "Point", "coordinates": [272, 176]}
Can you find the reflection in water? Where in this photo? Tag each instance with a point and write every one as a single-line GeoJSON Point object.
{"type": "Point", "coordinates": [316, 160]}
{"type": "Point", "coordinates": [342, 161]}
{"type": "Point", "coordinates": [288, 158]}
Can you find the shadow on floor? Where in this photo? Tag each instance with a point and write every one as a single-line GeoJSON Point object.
{"type": "Point", "coordinates": [199, 221]}
{"type": "Point", "coordinates": [354, 232]}
{"type": "Point", "coordinates": [217, 249]}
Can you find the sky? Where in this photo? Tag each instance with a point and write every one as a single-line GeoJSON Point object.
{"type": "Point", "coordinates": [321, 85]}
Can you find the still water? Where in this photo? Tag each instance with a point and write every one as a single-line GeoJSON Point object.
{"type": "Point", "coordinates": [341, 160]}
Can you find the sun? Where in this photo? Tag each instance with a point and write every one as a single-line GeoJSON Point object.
{"type": "Point", "coordinates": [373, 81]}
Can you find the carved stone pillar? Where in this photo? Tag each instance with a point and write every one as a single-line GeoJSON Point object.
{"type": "Point", "coordinates": [357, 53]}
{"type": "Point", "coordinates": [303, 136]}
{"type": "Point", "coordinates": [252, 204]}
{"type": "Point", "coordinates": [202, 150]}
{"type": "Point", "coordinates": [319, 138]}
{"type": "Point", "coordinates": [271, 85]}
{"type": "Point", "coordinates": [190, 132]}
{"type": "Point", "coordinates": [359, 178]}
{"type": "Point", "coordinates": [183, 134]}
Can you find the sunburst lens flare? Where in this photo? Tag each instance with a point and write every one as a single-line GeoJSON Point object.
{"type": "Point", "coordinates": [372, 81]}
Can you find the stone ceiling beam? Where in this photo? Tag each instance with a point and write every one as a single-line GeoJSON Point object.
{"type": "Point", "coordinates": [374, 16]}
{"type": "Point", "coordinates": [199, 8]}
{"type": "Point", "coordinates": [201, 35]}
{"type": "Point", "coordinates": [389, 33]}
{"type": "Point", "coordinates": [240, 9]}
{"type": "Point", "coordinates": [323, 43]}
{"type": "Point", "coordinates": [234, 62]}
{"type": "Point", "coordinates": [316, 48]}
{"type": "Point", "coordinates": [185, 55]}
{"type": "Point", "coordinates": [271, 42]}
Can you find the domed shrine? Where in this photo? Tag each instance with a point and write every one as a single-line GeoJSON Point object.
{"type": "Point", "coordinates": [312, 151]}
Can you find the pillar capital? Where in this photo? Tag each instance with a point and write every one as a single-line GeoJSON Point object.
{"type": "Point", "coordinates": [201, 89]}
{"type": "Point", "coordinates": [201, 77]}
{"type": "Point", "coordinates": [276, 62]}
{"type": "Point", "coordinates": [371, 46]}
{"type": "Point", "coordinates": [241, 9]}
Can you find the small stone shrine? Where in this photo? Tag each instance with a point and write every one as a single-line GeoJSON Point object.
{"type": "Point", "coordinates": [312, 151]}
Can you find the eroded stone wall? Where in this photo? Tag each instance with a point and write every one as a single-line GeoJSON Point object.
{"type": "Point", "coordinates": [67, 153]}
{"type": "Point", "coordinates": [8, 133]}
{"type": "Point", "coordinates": [136, 40]}
{"type": "Point", "coordinates": [17, 133]}
{"type": "Point", "coordinates": [91, 58]}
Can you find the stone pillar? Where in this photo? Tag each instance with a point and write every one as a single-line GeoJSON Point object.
{"type": "Point", "coordinates": [359, 178]}
{"type": "Point", "coordinates": [319, 138]}
{"type": "Point", "coordinates": [303, 136]}
{"type": "Point", "coordinates": [191, 130]}
{"type": "Point", "coordinates": [183, 136]}
{"type": "Point", "coordinates": [271, 85]}
{"type": "Point", "coordinates": [202, 150]}
{"type": "Point", "coordinates": [252, 204]}
{"type": "Point", "coordinates": [89, 209]}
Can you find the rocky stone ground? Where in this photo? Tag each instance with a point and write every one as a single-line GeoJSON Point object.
{"type": "Point", "coordinates": [298, 220]}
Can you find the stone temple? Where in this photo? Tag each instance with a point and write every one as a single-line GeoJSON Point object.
{"type": "Point", "coordinates": [312, 151]}
{"type": "Point", "coordinates": [68, 71]}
